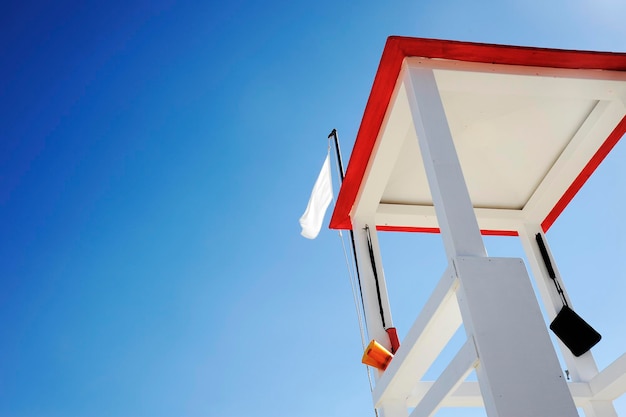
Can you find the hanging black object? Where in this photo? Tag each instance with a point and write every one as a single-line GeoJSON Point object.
{"type": "Point", "coordinates": [574, 332]}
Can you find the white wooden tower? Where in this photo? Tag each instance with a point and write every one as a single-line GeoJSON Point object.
{"type": "Point", "coordinates": [469, 139]}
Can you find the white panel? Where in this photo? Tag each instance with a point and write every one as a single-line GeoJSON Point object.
{"type": "Point", "coordinates": [519, 373]}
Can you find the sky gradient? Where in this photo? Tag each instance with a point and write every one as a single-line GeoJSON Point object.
{"type": "Point", "coordinates": [155, 157]}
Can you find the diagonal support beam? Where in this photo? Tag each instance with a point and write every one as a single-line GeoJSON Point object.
{"type": "Point", "coordinates": [455, 213]}
{"type": "Point", "coordinates": [611, 382]}
{"type": "Point", "coordinates": [435, 325]}
{"type": "Point", "coordinates": [454, 374]}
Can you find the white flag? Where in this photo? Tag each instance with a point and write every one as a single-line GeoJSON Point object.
{"type": "Point", "coordinates": [313, 217]}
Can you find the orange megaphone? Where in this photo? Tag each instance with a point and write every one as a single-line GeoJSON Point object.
{"type": "Point", "coordinates": [377, 356]}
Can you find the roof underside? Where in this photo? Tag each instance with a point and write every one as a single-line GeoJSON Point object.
{"type": "Point", "coordinates": [527, 135]}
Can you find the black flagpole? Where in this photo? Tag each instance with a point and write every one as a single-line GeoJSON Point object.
{"type": "Point", "coordinates": [333, 134]}
{"type": "Point", "coordinates": [338, 152]}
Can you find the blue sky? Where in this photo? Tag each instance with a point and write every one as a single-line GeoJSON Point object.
{"type": "Point", "coordinates": [154, 159]}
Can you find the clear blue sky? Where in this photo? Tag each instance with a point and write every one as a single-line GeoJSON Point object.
{"type": "Point", "coordinates": [154, 159]}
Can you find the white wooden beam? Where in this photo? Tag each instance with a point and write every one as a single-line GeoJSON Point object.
{"type": "Point", "coordinates": [393, 408]}
{"type": "Point", "coordinates": [408, 215]}
{"type": "Point", "coordinates": [599, 409]}
{"type": "Point", "coordinates": [611, 382]}
{"type": "Point", "coordinates": [467, 394]}
{"type": "Point", "coordinates": [459, 228]}
{"type": "Point", "coordinates": [595, 85]}
{"type": "Point", "coordinates": [376, 329]}
{"type": "Point", "coordinates": [598, 125]}
{"type": "Point", "coordinates": [451, 377]}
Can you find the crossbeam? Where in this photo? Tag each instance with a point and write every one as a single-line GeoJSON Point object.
{"type": "Point", "coordinates": [611, 382]}
{"type": "Point", "coordinates": [467, 394]}
{"type": "Point", "coordinates": [412, 215]}
{"type": "Point", "coordinates": [454, 375]}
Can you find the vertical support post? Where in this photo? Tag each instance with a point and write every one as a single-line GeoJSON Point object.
{"type": "Point", "coordinates": [582, 368]}
{"type": "Point", "coordinates": [375, 327]}
{"type": "Point", "coordinates": [497, 303]}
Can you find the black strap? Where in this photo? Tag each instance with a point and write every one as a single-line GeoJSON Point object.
{"type": "Point", "coordinates": [372, 260]}
{"type": "Point", "coordinates": [548, 263]}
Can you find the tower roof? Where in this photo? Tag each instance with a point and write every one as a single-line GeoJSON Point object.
{"type": "Point", "coordinates": [530, 125]}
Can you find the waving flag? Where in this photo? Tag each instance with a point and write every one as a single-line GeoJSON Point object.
{"type": "Point", "coordinates": [313, 217]}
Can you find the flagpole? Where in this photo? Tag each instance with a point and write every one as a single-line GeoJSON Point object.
{"type": "Point", "coordinates": [333, 134]}
{"type": "Point", "coordinates": [338, 152]}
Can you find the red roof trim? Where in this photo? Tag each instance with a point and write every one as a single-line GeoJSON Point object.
{"type": "Point", "coordinates": [436, 230]}
{"type": "Point", "coordinates": [397, 48]}
{"type": "Point", "coordinates": [384, 83]}
{"type": "Point", "coordinates": [407, 229]}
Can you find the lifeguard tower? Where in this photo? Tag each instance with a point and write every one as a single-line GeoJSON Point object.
{"type": "Point", "coordinates": [468, 139]}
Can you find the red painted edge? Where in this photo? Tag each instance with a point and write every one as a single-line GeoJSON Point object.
{"type": "Point", "coordinates": [375, 109]}
{"type": "Point", "coordinates": [436, 230]}
{"type": "Point", "coordinates": [584, 175]}
{"type": "Point", "coordinates": [407, 229]}
{"type": "Point", "coordinates": [397, 48]}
